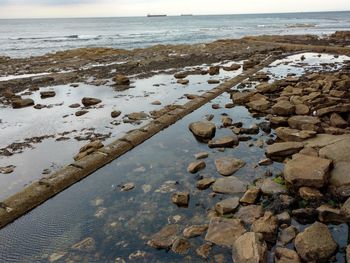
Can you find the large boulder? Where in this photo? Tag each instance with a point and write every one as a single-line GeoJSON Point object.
{"type": "Point", "coordinates": [229, 185]}
{"type": "Point", "coordinates": [283, 149]}
{"type": "Point", "coordinates": [283, 108]}
{"type": "Point", "coordinates": [315, 244]}
{"type": "Point", "coordinates": [203, 130]}
{"type": "Point", "coordinates": [227, 166]}
{"type": "Point", "coordinates": [305, 170]}
{"type": "Point", "coordinates": [224, 232]}
{"type": "Point", "coordinates": [250, 248]}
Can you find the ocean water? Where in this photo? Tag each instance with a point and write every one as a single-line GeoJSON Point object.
{"type": "Point", "coordinates": [32, 37]}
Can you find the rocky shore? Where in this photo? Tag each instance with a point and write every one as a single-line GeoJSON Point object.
{"type": "Point", "coordinates": [302, 124]}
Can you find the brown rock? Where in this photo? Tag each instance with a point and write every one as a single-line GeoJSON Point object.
{"type": "Point", "coordinates": [337, 121]}
{"type": "Point", "coordinates": [213, 81]}
{"type": "Point", "coordinates": [315, 244]}
{"type": "Point", "coordinates": [205, 183]}
{"type": "Point", "coordinates": [270, 187]}
{"type": "Point", "coordinates": [285, 255]}
{"type": "Point", "coordinates": [290, 135]}
{"type": "Point", "coordinates": [47, 94]}
{"type": "Point", "coordinates": [137, 116]}
{"type": "Point", "coordinates": [121, 80]}
{"type": "Point", "coordinates": [196, 167]}
{"type": "Point", "coordinates": [75, 105]}
{"type": "Point", "coordinates": [164, 238]}
{"type": "Point", "coordinates": [90, 101]}
{"type": "Point", "coordinates": [301, 109]}
{"type": "Point", "coordinates": [21, 103]}
{"type": "Point", "coordinates": [303, 122]}
{"type": "Point", "coordinates": [250, 196]}
{"type": "Point", "coordinates": [283, 149]}
{"type": "Point", "coordinates": [181, 246]}
{"type": "Point", "coordinates": [242, 97]}
{"type": "Point", "coordinates": [203, 130]}
{"type": "Point", "coordinates": [249, 248]}
{"type": "Point", "coordinates": [115, 114]}
{"type": "Point", "coordinates": [287, 235]}
{"type": "Point", "coordinates": [215, 70]}
{"type": "Point", "coordinates": [181, 198]}
{"type": "Point", "coordinates": [267, 226]}
{"type": "Point", "coordinates": [180, 75]}
{"type": "Point", "coordinates": [204, 250]}
{"type": "Point", "coordinates": [248, 214]}
{"type": "Point", "coordinates": [229, 185]}
{"type": "Point", "coordinates": [224, 142]}
{"type": "Point", "coordinates": [227, 166]}
{"type": "Point", "coordinates": [261, 105]}
{"type": "Point", "coordinates": [328, 214]}
{"type": "Point", "coordinates": [308, 193]}
{"type": "Point", "coordinates": [86, 245]}
{"type": "Point", "coordinates": [183, 81]}
{"type": "Point", "coordinates": [283, 108]}
{"type": "Point", "coordinates": [81, 113]}
{"type": "Point", "coordinates": [194, 231]}
{"type": "Point", "coordinates": [227, 206]}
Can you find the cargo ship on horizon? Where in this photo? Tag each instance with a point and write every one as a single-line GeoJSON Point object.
{"type": "Point", "coordinates": [156, 15]}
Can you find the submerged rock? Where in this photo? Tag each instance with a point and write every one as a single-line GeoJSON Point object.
{"type": "Point", "coordinates": [227, 166]}
{"type": "Point", "coordinates": [181, 246]}
{"type": "Point", "coordinates": [86, 245]}
{"type": "Point", "coordinates": [229, 185]}
{"type": "Point", "coordinates": [194, 231]}
{"type": "Point", "coordinates": [165, 238]}
{"type": "Point", "coordinates": [181, 198]}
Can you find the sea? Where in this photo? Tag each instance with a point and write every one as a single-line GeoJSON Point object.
{"type": "Point", "coordinates": [33, 37]}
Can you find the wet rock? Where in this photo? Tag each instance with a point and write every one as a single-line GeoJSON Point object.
{"type": "Point", "coordinates": [308, 193]}
{"type": "Point", "coordinates": [196, 167]}
{"type": "Point", "coordinates": [86, 245]}
{"type": "Point", "coordinates": [283, 108]}
{"type": "Point", "coordinates": [249, 64]}
{"type": "Point", "coordinates": [22, 103]}
{"type": "Point", "coordinates": [248, 214]}
{"type": "Point", "coordinates": [253, 129]}
{"type": "Point", "coordinates": [205, 183]}
{"type": "Point", "coordinates": [267, 226]}
{"type": "Point", "coordinates": [115, 114]}
{"type": "Point", "coordinates": [201, 155]}
{"type": "Point", "coordinates": [215, 106]}
{"type": "Point", "coordinates": [215, 70]}
{"type": "Point", "coordinates": [54, 257]}
{"type": "Point", "coordinates": [138, 116]}
{"type": "Point", "coordinates": [213, 81]}
{"type": "Point", "coordinates": [287, 235]}
{"type": "Point", "coordinates": [204, 250]}
{"type": "Point", "coordinates": [315, 243]}
{"type": "Point", "coordinates": [283, 149]}
{"type": "Point", "coordinates": [7, 169]}
{"type": "Point", "coordinates": [156, 102]}
{"type": "Point", "coordinates": [270, 187]}
{"type": "Point", "coordinates": [90, 101]}
{"type": "Point", "coordinates": [285, 255]}
{"type": "Point", "coordinates": [74, 106]}
{"type": "Point", "coordinates": [226, 121]}
{"type": "Point", "coordinates": [227, 166]}
{"type": "Point", "coordinates": [183, 81]}
{"type": "Point", "coordinates": [181, 199]}
{"type": "Point", "coordinates": [81, 113]}
{"type": "Point", "coordinates": [127, 187]}
{"type": "Point", "coordinates": [265, 162]}
{"type": "Point", "coordinates": [165, 238]}
{"type": "Point", "coordinates": [224, 142]}
{"type": "Point", "coordinates": [203, 130]}
{"type": "Point", "coordinates": [293, 135]}
{"type": "Point", "coordinates": [265, 127]}
{"type": "Point", "coordinates": [250, 196]}
{"type": "Point", "coordinates": [47, 94]}
{"type": "Point", "coordinates": [303, 122]}
{"type": "Point", "coordinates": [96, 144]}
{"type": "Point", "coordinates": [305, 170]}
{"type": "Point", "coordinates": [181, 246]}
{"type": "Point", "coordinates": [249, 248]}
{"type": "Point", "coordinates": [195, 231]}
{"type": "Point", "coordinates": [261, 105]}
{"type": "Point", "coordinates": [227, 206]}
{"type": "Point", "coordinates": [180, 75]}
{"type": "Point", "coordinates": [137, 255]}
{"type": "Point", "coordinates": [224, 232]}
{"type": "Point", "coordinates": [121, 80]}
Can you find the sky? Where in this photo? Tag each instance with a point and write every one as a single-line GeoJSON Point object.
{"type": "Point", "coordinates": [108, 8]}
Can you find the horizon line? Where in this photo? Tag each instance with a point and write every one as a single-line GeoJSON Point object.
{"type": "Point", "coordinates": [266, 13]}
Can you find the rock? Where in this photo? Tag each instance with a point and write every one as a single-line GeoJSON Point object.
{"type": "Point", "coordinates": [305, 215]}
{"type": "Point", "coordinates": [227, 206]}
{"type": "Point", "coordinates": [47, 94]}
{"type": "Point", "coordinates": [196, 167]}
{"type": "Point", "coordinates": [21, 103]}
{"type": "Point", "coordinates": [194, 231]}
{"type": "Point", "coordinates": [181, 198]}
{"type": "Point", "coordinates": [301, 109]}
{"type": "Point", "coordinates": [242, 97]}
{"type": "Point", "coordinates": [249, 64]}
{"type": "Point", "coordinates": [215, 106]}
{"type": "Point", "coordinates": [250, 196]}
{"type": "Point", "coordinates": [180, 75]}
{"type": "Point", "coordinates": [156, 102]}
{"type": "Point", "coordinates": [181, 246]}
{"type": "Point", "coordinates": [248, 214]}
{"type": "Point", "coordinates": [283, 149]}
{"type": "Point", "coordinates": [204, 250]}
{"type": "Point", "coordinates": [7, 169]}
{"type": "Point", "coordinates": [213, 81]}
{"type": "Point", "coordinates": [283, 108]}
{"type": "Point", "coordinates": [338, 151]}
{"type": "Point", "coordinates": [54, 257]}
{"type": "Point", "coordinates": [164, 238]}
{"type": "Point", "coordinates": [203, 130]}
{"type": "Point", "coordinates": [224, 142]}
{"type": "Point", "coordinates": [86, 245]}
{"type": "Point", "coordinates": [227, 166]}
{"type": "Point", "coordinates": [348, 253]}
{"type": "Point", "coordinates": [226, 121]}
{"type": "Point", "coordinates": [224, 232]}
{"type": "Point", "coordinates": [138, 116]}
{"type": "Point", "coordinates": [284, 218]}
{"type": "Point", "coordinates": [293, 135]}
{"type": "Point", "coordinates": [328, 214]}
{"type": "Point", "coordinates": [81, 113]}
{"type": "Point", "coordinates": [229, 185]}
{"type": "Point", "coordinates": [127, 187]}
{"type": "Point", "coordinates": [90, 101]}
{"type": "Point", "coordinates": [309, 151]}
{"type": "Point", "coordinates": [96, 144]}
{"type": "Point", "coordinates": [205, 183]}
{"type": "Point", "coordinates": [261, 105]}
{"type": "Point", "coordinates": [308, 193]}
{"type": "Point", "coordinates": [345, 208]}
{"type": "Point", "coordinates": [337, 121]}
{"type": "Point", "coordinates": [279, 121]}
{"type": "Point", "coordinates": [201, 155]}
{"type": "Point", "coordinates": [191, 96]}
{"type": "Point", "coordinates": [115, 114]}
{"type": "Point", "coordinates": [183, 81]}
{"type": "Point", "coordinates": [265, 162]}
{"type": "Point", "coordinates": [285, 255]}
{"type": "Point", "coordinates": [121, 80]}
{"type": "Point", "coordinates": [253, 129]}
{"type": "Point", "coordinates": [267, 226]}
{"type": "Point", "coordinates": [305, 170]}
{"type": "Point", "coordinates": [303, 122]}
{"type": "Point", "coordinates": [215, 70]}
{"type": "Point", "coordinates": [315, 243]}
{"type": "Point", "coordinates": [287, 235]}
{"type": "Point", "coordinates": [270, 187]}
{"type": "Point", "coordinates": [232, 67]}
{"type": "Point", "coordinates": [250, 248]}
{"type": "Point", "coordinates": [74, 106]}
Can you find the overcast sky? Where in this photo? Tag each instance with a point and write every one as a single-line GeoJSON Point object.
{"type": "Point", "coordinates": [89, 8]}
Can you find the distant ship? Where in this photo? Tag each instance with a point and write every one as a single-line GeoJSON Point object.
{"type": "Point", "coordinates": [149, 15]}
{"type": "Point", "coordinates": [186, 15]}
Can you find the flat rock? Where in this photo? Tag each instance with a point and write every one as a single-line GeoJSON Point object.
{"type": "Point", "coordinates": [315, 243]}
{"type": "Point", "coordinates": [224, 232]}
{"type": "Point", "coordinates": [90, 101]}
{"type": "Point", "coordinates": [229, 185]}
{"type": "Point", "coordinates": [283, 108]}
{"type": "Point", "coordinates": [250, 196]}
{"type": "Point", "coordinates": [194, 231]}
{"type": "Point", "coordinates": [164, 238]}
{"type": "Point", "coordinates": [181, 246]}
{"type": "Point", "coordinates": [47, 94]}
{"type": "Point", "coordinates": [224, 142]}
{"type": "Point", "coordinates": [303, 122]}
{"type": "Point", "coordinates": [270, 187]}
{"type": "Point", "coordinates": [137, 116]}
{"type": "Point", "coordinates": [203, 130]}
{"type": "Point", "coordinates": [283, 149]}
{"type": "Point", "coordinates": [293, 135]}
{"type": "Point", "coordinates": [183, 81]}
{"type": "Point", "coordinates": [261, 105]}
{"type": "Point", "coordinates": [305, 170]}
{"type": "Point", "coordinates": [249, 248]}
{"type": "Point", "coordinates": [195, 167]}
{"type": "Point", "coordinates": [205, 183]}
{"type": "Point", "coordinates": [22, 103]}
{"type": "Point", "coordinates": [301, 109]}
{"type": "Point", "coordinates": [227, 206]}
{"type": "Point", "coordinates": [308, 193]}
{"type": "Point", "coordinates": [287, 235]}
{"type": "Point", "coordinates": [248, 214]}
{"type": "Point", "coordinates": [338, 151]}
{"type": "Point", "coordinates": [227, 166]}
{"type": "Point", "coordinates": [241, 97]}
{"type": "Point", "coordinates": [201, 155]}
